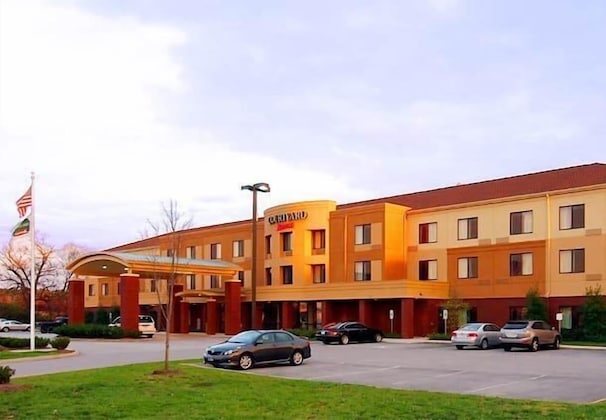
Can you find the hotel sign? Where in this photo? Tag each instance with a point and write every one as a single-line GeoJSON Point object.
{"type": "Point", "coordinates": [287, 217]}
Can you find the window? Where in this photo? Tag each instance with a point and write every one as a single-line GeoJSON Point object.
{"type": "Point", "coordinates": [286, 274]}
{"type": "Point", "coordinates": [286, 238]}
{"type": "Point", "coordinates": [153, 286]}
{"type": "Point", "coordinates": [191, 281]}
{"type": "Point", "coordinates": [520, 222]}
{"type": "Point", "coordinates": [267, 244]}
{"type": "Point", "coordinates": [215, 251]}
{"type": "Point", "coordinates": [169, 253]}
{"type": "Point", "coordinates": [318, 239]}
{"type": "Point", "coordinates": [468, 267]}
{"type": "Point", "coordinates": [91, 290]}
{"type": "Point", "coordinates": [241, 277]}
{"type": "Point", "coordinates": [517, 313]}
{"type": "Point", "coordinates": [572, 217]}
{"type": "Point", "coordinates": [118, 289]}
{"type": "Point", "coordinates": [105, 289]}
{"type": "Point", "coordinates": [362, 234]}
{"type": "Point", "coordinates": [190, 252]}
{"type": "Point", "coordinates": [520, 264]}
{"type": "Point", "coordinates": [214, 282]}
{"type": "Point", "coordinates": [468, 228]}
{"type": "Point", "coordinates": [319, 273]}
{"type": "Point", "coordinates": [566, 317]}
{"type": "Point", "coordinates": [238, 248]}
{"type": "Point", "coordinates": [572, 261]}
{"type": "Point", "coordinates": [362, 271]}
{"type": "Point", "coordinates": [428, 269]}
{"type": "Point", "coordinates": [281, 337]}
{"type": "Point", "coordinates": [268, 276]}
{"type": "Point", "coordinates": [428, 232]}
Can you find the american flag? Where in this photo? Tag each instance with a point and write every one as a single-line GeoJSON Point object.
{"type": "Point", "coordinates": [24, 202]}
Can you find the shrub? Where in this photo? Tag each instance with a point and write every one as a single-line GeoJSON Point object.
{"type": "Point", "coordinates": [439, 336]}
{"type": "Point", "coordinates": [303, 332]}
{"type": "Point", "coordinates": [94, 331]}
{"type": "Point", "coordinates": [5, 374]}
{"type": "Point", "coordinates": [393, 335]}
{"type": "Point", "coordinates": [23, 343]}
{"type": "Point", "coordinates": [60, 343]}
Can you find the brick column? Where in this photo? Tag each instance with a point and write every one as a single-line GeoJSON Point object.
{"type": "Point", "coordinates": [176, 315]}
{"type": "Point", "coordinates": [129, 301]}
{"type": "Point", "coordinates": [232, 306]}
{"type": "Point", "coordinates": [211, 316]}
{"type": "Point", "coordinates": [407, 321]}
{"type": "Point", "coordinates": [259, 316]}
{"type": "Point", "coordinates": [183, 309]}
{"type": "Point", "coordinates": [364, 312]}
{"type": "Point", "coordinates": [287, 316]}
{"type": "Point", "coordinates": [327, 313]}
{"type": "Point", "coordinates": [75, 302]}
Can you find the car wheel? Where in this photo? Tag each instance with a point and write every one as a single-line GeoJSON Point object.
{"type": "Point", "coordinates": [556, 343]}
{"type": "Point", "coordinates": [325, 342]}
{"type": "Point", "coordinates": [460, 347]}
{"type": "Point", "coordinates": [534, 346]}
{"type": "Point", "coordinates": [246, 361]}
{"type": "Point", "coordinates": [506, 348]}
{"type": "Point", "coordinates": [378, 338]}
{"type": "Point", "coordinates": [5, 329]}
{"type": "Point", "coordinates": [297, 358]}
{"type": "Point", "coordinates": [344, 339]}
{"type": "Point", "coordinates": [484, 344]}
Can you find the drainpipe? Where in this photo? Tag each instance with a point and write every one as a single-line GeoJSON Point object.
{"type": "Point", "coordinates": [548, 249]}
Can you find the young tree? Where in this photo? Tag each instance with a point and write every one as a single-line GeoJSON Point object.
{"type": "Point", "coordinates": [536, 307]}
{"type": "Point", "coordinates": [594, 314]}
{"type": "Point", "coordinates": [169, 232]}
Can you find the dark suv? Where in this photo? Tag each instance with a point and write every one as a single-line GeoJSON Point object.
{"type": "Point", "coordinates": [529, 334]}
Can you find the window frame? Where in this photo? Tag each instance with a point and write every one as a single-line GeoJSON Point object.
{"type": "Point", "coordinates": [579, 224]}
{"type": "Point", "coordinates": [286, 241]}
{"type": "Point", "coordinates": [215, 281]}
{"type": "Point", "coordinates": [574, 254]}
{"type": "Point", "coordinates": [286, 272]}
{"type": "Point", "coordinates": [513, 215]}
{"type": "Point", "coordinates": [427, 270]}
{"type": "Point", "coordinates": [322, 274]}
{"type": "Point", "coordinates": [215, 251]}
{"type": "Point", "coordinates": [469, 221]}
{"type": "Point", "coordinates": [521, 256]}
{"type": "Point", "coordinates": [425, 233]}
{"type": "Point", "coordinates": [469, 268]}
{"type": "Point", "coordinates": [321, 233]}
{"type": "Point", "coordinates": [237, 248]}
{"type": "Point", "coordinates": [365, 273]}
{"type": "Point", "coordinates": [362, 234]}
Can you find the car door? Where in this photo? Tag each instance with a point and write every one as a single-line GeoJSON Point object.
{"type": "Point", "coordinates": [354, 330]}
{"type": "Point", "coordinates": [264, 350]}
{"type": "Point", "coordinates": [492, 333]}
{"type": "Point", "coordinates": [284, 344]}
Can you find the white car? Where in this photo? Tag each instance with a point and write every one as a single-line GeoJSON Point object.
{"type": "Point", "coordinates": [147, 325]}
{"type": "Point", "coordinates": [12, 325]}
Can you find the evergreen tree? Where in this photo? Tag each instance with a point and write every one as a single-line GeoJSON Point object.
{"type": "Point", "coordinates": [536, 307]}
{"type": "Point", "coordinates": [594, 315]}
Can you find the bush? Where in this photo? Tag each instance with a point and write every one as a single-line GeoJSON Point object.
{"type": "Point", "coordinates": [94, 331]}
{"type": "Point", "coordinates": [60, 343]}
{"type": "Point", "coordinates": [303, 332]}
{"type": "Point", "coordinates": [439, 336]}
{"type": "Point", "coordinates": [23, 343]}
{"type": "Point", "coordinates": [5, 374]}
{"type": "Point", "coordinates": [393, 335]}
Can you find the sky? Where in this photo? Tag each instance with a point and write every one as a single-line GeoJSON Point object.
{"type": "Point", "coordinates": [119, 106]}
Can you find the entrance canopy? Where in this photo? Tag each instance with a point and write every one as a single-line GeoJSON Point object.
{"type": "Point", "coordinates": [112, 264]}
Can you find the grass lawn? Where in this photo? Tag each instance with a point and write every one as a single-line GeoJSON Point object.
{"type": "Point", "coordinates": [585, 343]}
{"type": "Point", "coordinates": [195, 392]}
{"type": "Point", "coordinates": [8, 354]}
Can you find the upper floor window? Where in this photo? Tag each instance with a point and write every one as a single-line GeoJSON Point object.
{"type": "Point", "coordinates": [169, 253]}
{"type": "Point", "coordinates": [428, 269]}
{"type": "Point", "coordinates": [191, 281]}
{"type": "Point", "coordinates": [215, 251]}
{"type": "Point", "coordinates": [238, 248]}
{"type": "Point", "coordinates": [190, 252]}
{"type": "Point", "coordinates": [241, 277]}
{"type": "Point", "coordinates": [468, 228]}
{"type": "Point", "coordinates": [318, 239]}
{"type": "Point", "coordinates": [104, 289]}
{"type": "Point", "coordinates": [91, 290]}
{"type": "Point", "coordinates": [153, 285]}
{"type": "Point", "coordinates": [319, 273]}
{"type": "Point", "coordinates": [520, 222]}
{"type": "Point", "coordinates": [362, 234]}
{"type": "Point", "coordinates": [214, 282]}
{"type": "Point", "coordinates": [268, 244]}
{"type": "Point", "coordinates": [362, 271]}
{"type": "Point", "coordinates": [572, 217]}
{"type": "Point", "coordinates": [268, 276]}
{"type": "Point", "coordinates": [572, 261]}
{"type": "Point", "coordinates": [520, 264]}
{"type": "Point", "coordinates": [428, 232]}
{"type": "Point", "coordinates": [468, 267]}
{"type": "Point", "coordinates": [286, 274]}
{"type": "Point", "coordinates": [286, 241]}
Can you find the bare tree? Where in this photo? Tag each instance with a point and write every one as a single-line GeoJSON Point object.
{"type": "Point", "coordinates": [68, 253]}
{"type": "Point", "coordinates": [169, 233]}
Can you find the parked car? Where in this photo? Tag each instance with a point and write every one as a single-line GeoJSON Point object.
{"type": "Point", "coordinates": [254, 347]}
{"type": "Point", "coordinates": [531, 334]}
{"type": "Point", "coordinates": [147, 325]}
{"type": "Point", "coordinates": [49, 326]}
{"type": "Point", "coordinates": [12, 325]}
{"type": "Point", "coordinates": [477, 334]}
{"type": "Point", "coordinates": [345, 332]}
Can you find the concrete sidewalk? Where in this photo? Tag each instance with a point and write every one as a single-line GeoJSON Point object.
{"type": "Point", "coordinates": [425, 340]}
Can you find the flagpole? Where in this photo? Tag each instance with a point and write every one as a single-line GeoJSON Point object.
{"type": "Point", "coordinates": [32, 285]}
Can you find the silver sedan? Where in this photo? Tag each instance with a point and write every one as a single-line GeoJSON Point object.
{"type": "Point", "coordinates": [477, 334]}
{"type": "Point", "coordinates": [11, 325]}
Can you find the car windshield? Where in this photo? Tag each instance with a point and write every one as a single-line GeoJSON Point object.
{"type": "Point", "coordinates": [244, 337]}
{"type": "Point", "coordinates": [470, 327]}
{"type": "Point", "coordinates": [515, 325]}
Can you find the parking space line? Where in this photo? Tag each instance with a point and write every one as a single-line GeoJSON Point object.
{"type": "Point", "coordinates": [534, 378]}
{"type": "Point", "coordinates": [361, 372]}
{"type": "Point", "coordinates": [429, 377]}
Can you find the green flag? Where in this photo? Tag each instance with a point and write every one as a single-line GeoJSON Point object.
{"type": "Point", "coordinates": [22, 227]}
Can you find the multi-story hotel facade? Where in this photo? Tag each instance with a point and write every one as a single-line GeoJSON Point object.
{"type": "Point", "coordinates": [390, 262]}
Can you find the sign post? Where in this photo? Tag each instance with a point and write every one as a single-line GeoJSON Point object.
{"type": "Point", "coordinates": [445, 318]}
{"type": "Point", "coordinates": [559, 317]}
{"type": "Point", "coordinates": [391, 315]}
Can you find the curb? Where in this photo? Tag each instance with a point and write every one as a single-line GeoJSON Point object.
{"type": "Point", "coordinates": [36, 358]}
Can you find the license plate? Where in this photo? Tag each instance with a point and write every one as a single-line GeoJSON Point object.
{"type": "Point", "coordinates": [323, 333]}
{"type": "Point", "coordinates": [209, 359]}
{"type": "Point", "coordinates": [511, 335]}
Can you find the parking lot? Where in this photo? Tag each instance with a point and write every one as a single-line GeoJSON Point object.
{"type": "Point", "coordinates": [561, 375]}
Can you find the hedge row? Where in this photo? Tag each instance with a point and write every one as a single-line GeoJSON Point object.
{"type": "Point", "coordinates": [23, 343]}
{"type": "Point", "coordinates": [94, 331]}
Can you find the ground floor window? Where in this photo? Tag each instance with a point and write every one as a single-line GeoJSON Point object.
{"type": "Point", "coordinates": [517, 313]}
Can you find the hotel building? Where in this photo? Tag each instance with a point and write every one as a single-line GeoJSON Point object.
{"type": "Point", "coordinates": [390, 262]}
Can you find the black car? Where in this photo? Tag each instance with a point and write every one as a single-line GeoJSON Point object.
{"type": "Point", "coordinates": [253, 347]}
{"type": "Point", "coordinates": [344, 332]}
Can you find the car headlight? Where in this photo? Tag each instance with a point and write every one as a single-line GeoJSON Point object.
{"type": "Point", "coordinates": [228, 352]}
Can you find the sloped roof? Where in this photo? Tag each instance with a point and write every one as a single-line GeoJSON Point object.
{"type": "Point", "coordinates": [538, 182]}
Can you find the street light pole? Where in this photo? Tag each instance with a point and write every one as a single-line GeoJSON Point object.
{"type": "Point", "coordinates": [261, 187]}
